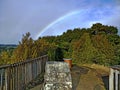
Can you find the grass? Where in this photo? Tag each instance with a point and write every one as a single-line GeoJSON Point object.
{"type": "Point", "coordinates": [101, 69]}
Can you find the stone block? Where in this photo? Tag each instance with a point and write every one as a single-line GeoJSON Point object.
{"type": "Point", "coordinates": [57, 76]}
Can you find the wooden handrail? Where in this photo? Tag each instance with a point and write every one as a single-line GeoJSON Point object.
{"type": "Point", "coordinates": [16, 76]}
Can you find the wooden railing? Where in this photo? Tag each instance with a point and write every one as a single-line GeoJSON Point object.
{"type": "Point", "coordinates": [114, 78]}
{"type": "Point", "coordinates": [16, 76]}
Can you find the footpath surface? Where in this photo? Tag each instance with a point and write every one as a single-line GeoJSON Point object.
{"type": "Point", "coordinates": [84, 78]}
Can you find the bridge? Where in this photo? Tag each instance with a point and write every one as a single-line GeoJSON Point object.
{"type": "Point", "coordinates": [18, 75]}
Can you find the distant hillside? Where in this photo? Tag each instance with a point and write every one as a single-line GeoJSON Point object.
{"type": "Point", "coordinates": [6, 47]}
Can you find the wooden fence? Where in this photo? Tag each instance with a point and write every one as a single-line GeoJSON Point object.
{"type": "Point", "coordinates": [16, 76]}
{"type": "Point", "coordinates": [114, 78]}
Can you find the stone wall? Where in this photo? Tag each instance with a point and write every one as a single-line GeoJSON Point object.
{"type": "Point", "coordinates": [57, 76]}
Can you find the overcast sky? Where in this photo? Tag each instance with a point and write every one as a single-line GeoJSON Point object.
{"type": "Point", "coordinates": [53, 17]}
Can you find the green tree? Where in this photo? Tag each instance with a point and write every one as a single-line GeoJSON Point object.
{"type": "Point", "coordinates": [83, 50]}
{"type": "Point", "coordinates": [99, 44]}
{"type": "Point", "coordinates": [105, 48]}
{"type": "Point", "coordinates": [24, 49]}
{"type": "Point", "coordinates": [103, 29]}
{"type": "Point", "coordinates": [5, 58]}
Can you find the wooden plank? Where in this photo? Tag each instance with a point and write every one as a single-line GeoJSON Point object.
{"type": "Point", "coordinates": [111, 76]}
{"type": "Point", "coordinates": [116, 81]}
{"type": "Point", "coordinates": [1, 76]}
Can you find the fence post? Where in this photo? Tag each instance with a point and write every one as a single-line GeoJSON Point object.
{"type": "Point", "coordinates": [116, 79]}
{"type": "Point", "coordinates": [1, 78]}
{"type": "Point", "coordinates": [111, 79]}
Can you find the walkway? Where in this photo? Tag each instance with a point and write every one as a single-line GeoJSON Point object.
{"type": "Point", "coordinates": [93, 81]}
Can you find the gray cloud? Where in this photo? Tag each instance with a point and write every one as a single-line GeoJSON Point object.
{"type": "Point", "coordinates": [20, 16]}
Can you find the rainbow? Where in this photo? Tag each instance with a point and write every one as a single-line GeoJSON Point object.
{"type": "Point", "coordinates": [57, 21]}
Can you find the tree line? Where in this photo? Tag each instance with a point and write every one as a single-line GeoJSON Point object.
{"type": "Point", "coordinates": [99, 44]}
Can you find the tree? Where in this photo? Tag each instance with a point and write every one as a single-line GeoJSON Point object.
{"type": "Point", "coordinates": [5, 58]}
{"type": "Point", "coordinates": [105, 48]}
{"type": "Point", "coordinates": [24, 49]}
{"type": "Point", "coordinates": [83, 50]}
{"type": "Point", "coordinates": [99, 44]}
{"type": "Point", "coordinates": [104, 29]}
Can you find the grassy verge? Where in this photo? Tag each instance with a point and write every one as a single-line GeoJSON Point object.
{"type": "Point", "coordinates": [101, 69]}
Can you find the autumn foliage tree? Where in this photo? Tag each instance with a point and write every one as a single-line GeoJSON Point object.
{"type": "Point", "coordinates": [29, 48]}
{"type": "Point", "coordinates": [23, 51]}
{"type": "Point", "coordinates": [83, 50]}
{"type": "Point", "coordinates": [98, 44]}
{"type": "Point", "coordinates": [5, 58]}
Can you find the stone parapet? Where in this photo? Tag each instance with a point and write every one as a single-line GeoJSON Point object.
{"type": "Point", "coordinates": [57, 76]}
